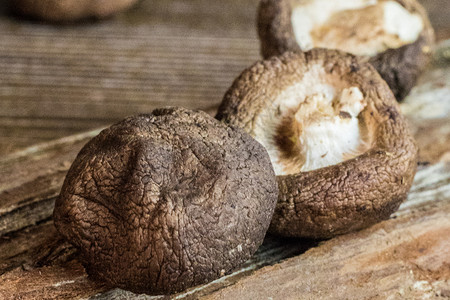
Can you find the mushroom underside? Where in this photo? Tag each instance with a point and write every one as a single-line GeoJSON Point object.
{"type": "Point", "coordinates": [314, 123]}
{"type": "Point", "coordinates": [339, 145]}
{"type": "Point", "coordinates": [360, 27]}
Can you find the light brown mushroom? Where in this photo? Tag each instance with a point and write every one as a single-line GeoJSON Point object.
{"type": "Point", "coordinates": [70, 10]}
{"type": "Point", "coordinates": [165, 201]}
{"type": "Point", "coordinates": [338, 143]}
{"type": "Point", "coordinates": [395, 36]}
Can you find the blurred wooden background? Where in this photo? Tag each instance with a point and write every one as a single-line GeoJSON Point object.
{"type": "Point", "coordinates": [60, 80]}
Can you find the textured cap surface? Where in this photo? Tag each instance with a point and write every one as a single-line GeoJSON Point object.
{"type": "Point", "coordinates": [161, 202]}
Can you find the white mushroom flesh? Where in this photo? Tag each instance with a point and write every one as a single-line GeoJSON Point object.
{"type": "Point", "coordinates": [361, 27]}
{"type": "Point", "coordinates": [312, 124]}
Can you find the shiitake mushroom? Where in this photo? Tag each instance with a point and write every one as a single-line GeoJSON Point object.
{"type": "Point", "coordinates": [395, 36]}
{"type": "Point", "coordinates": [70, 10]}
{"type": "Point", "coordinates": [341, 148]}
{"type": "Point", "coordinates": [161, 202]}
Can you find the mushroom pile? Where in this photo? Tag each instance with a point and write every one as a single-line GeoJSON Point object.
{"type": "Point", "coordinates": [304, 144]}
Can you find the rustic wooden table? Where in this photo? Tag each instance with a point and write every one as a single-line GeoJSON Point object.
{"type": "Point", "coordinates": [60, 84]}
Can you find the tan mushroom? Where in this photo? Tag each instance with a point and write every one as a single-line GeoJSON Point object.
{"type": "Point", "coordinates": [338, 143]}
{"type": "Point", "coordinates": [70, 10]}
{"type": "Point", "coordinates": [395, 36]}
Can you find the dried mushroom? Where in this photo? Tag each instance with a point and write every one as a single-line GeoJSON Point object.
{"type": "Point", "coordinates": [70, 10]}
{"type": "Point", "coordinates": [342, 152]}
{"type": "Point", "coordinates": [395, 36]}
{"type": "Point", "coordinates": [161, 202]}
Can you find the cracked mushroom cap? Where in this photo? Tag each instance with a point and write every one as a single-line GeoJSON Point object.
{"type": "Point", "coordinates": [70, 10]}
{"type": "Point", "coordinates": [161, 202]}
{"type": "Point", "coordinates": [395, 36]}
{"type": "Point", "coordinates": [342, 152]}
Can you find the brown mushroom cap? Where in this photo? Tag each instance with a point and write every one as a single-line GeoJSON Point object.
{"type": "Point", "coordinates": [161, 202]}
{"type": "Point", "coordinates": [364, 186]}
{"type": "Point", "coordinates": [399, 65]}
{"type": "Point", "coordinates": [70, 10]}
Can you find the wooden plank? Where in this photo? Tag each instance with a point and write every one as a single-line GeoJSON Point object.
{"type": "Point", "coordinates": [31, 179]}
{"type": "Point", "coordinates": [428, 108]}
{"type": "Point", "coordinates": [176, 52]}
{"type": "Point", "coordinates": [160, 53]}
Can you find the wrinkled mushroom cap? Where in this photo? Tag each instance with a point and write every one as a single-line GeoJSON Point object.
{"type": "Point", "coordinates": [395, 36]}
{"type": "Point", "coordinates": [339, 145]}
{"type": "Point", "coordinates": [161, 202]}
{"type": "Point", "coordinates": [70, 10]}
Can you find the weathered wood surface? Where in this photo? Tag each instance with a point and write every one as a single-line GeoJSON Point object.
{"type": "Point", "coordinates": [428, 108]}
{"type": "Point", "coordinates": [31, 179]}
{"type": "Point", "coordinates": [61, 80]}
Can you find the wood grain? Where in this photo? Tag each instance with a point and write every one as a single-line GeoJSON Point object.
{"type": "Point", "coordinates": [31, 179]}
{"type": "Point", "coordinates": [61, 80]}
{"type": "Point", "coordinates": [428, 108]}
